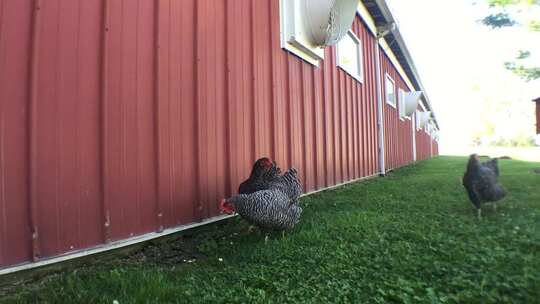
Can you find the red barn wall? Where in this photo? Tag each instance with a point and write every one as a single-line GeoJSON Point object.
{"type": "Point", "coordinates": [119, 118]}
{"type": "Point", "coordinates": [423, 145]}
{"type": "Point", "coordinates": [538, 117]}
{"type": "Point", "coordinates": [397, 132]}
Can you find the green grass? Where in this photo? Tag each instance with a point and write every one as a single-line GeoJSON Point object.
{"type": "Point", "coordinates": [411, 237]}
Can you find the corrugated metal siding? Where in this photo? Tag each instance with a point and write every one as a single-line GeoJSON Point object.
{"type": "Point", "coordinates": [423, 145]}
{"type": "Point", "coordinates": [15, 32]}
{"type": "Point", "coordinates": [120, 118]}
{"type": "Point", "coordinates": [397, 132]}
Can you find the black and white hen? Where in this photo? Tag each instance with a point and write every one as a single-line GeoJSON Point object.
{"type": "Point", "coordinates": [481, 182]}
{"type": "Point", "coordinates": [275, 208]}
{"type": "Point", "coordinates": [267, 209]}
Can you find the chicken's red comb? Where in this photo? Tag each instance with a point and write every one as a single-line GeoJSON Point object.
{"type": "Point", "coordinates": [268, 162]}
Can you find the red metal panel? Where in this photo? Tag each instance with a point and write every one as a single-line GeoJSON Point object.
{"type": "Point", "coordinates": [15, 42]}
{"type": "Point", "coordinates": [212, 148]}
{"type": "Point", "coordinates": [130, 152]}
{"type": "Point", "coordinates": [538, 118]}
{"type": "Point", "coordinates": [262, 75]}
{"type": "Point", "coordinates": [65, 116]}
{"type": "Point", "coordinates": [178, 146]}
{"type": "Point", "coordinates": [280, 89]}
{"type": "Point", "coordinates": [423, 145]}
{"type": "Point", "coordinates": [343, 124]}
{"type": "Point", "coordinates": [295, 115]}
{"type": "Point", "coordinates": [336, 119]}
{"type": "Point", "coordinates": [398, 137]}
{"type": "Point", "coordinates": [309, 129]}
{"type": "Point", "coordinates": [329, 119]}
{"type": "Point", "coordinates": [319, 126]}
{"type": "Point", "coordinates": [369, 100]}
{"type": "Point", "coordinates": [350, 127]}
{"type": "Point", "coordinates": [374, 89]}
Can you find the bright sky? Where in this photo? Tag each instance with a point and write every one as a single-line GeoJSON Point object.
{"type": "Point", "coordinates": [461, 66]}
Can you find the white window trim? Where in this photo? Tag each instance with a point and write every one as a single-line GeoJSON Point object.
{"type": "Point", "coordinates": [292, 38]}
{"type": "Point", "coordinates": [388, 77]}
{"type": "Point", "coordinates": [359, 45]}
{"type": "Point", "coordinates": [401, 104]}
{"type": "Point", "coordinates": [410, 116]}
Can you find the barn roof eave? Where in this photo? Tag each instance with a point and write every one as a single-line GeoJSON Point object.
{"type": "Point", "coordinates": [382, 15]}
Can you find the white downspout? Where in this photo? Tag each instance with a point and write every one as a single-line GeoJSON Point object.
{"type": "Point", "coordinates": [413, 120]}
{"type": "Point", "coordinates": [380, 124]}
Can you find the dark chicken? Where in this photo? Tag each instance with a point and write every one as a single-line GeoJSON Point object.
{"type": "Point", "coordinates": [264, 171]}
{"type": "Point", "coordinates": [493, 164]}
{"type": "Point", "coordinates": [480, 181]}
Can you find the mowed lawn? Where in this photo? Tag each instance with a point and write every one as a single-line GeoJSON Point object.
{"type": "Point", "coordinates": [411, 237]}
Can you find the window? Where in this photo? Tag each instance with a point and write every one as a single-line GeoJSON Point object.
{"type": "Point", "coordinates": [390, 89]}
{"type": "Point", "coordinates": [417, 120]}
{"type": "Point", "coordinates": [401, 105]}
{"type": "Point", "coordinates": [349, 53]}
{"type": "Point", "coordinates": [294, 37]}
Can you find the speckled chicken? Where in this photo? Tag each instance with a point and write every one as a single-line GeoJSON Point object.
{"type": "Point", "coordinates": [275, 208]}
{"type": "Point", "coordinates": [267, 209]}
{"type": "Point", "coordinates": [263, 172]}
{"type": "Point", "coordinates": [480, 181]}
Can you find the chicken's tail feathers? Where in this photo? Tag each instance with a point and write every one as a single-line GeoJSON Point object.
{"type": "Point", "coordinates": [292, 171]}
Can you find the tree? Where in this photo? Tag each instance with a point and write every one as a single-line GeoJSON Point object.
{"type": "Point", "coordinates": [522, 13]}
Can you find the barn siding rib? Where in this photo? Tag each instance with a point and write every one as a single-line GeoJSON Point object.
{"type": "Point", "coordinates": [120, 118]}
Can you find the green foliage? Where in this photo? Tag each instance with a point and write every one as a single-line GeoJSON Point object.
{"type": "Point", "coordinates": [517, 141]}
{"type": "Point", "coordinates": [505, 19]}
{"type": "Point", "coordinates": [498, 20]}
{"type": "Point", "coordinates": [504, 3]}
{"type": "Point", "coordinates": [526, 73]}
{"type": "Point", "coordinates": [411, 237]}
{"type": "Point", "coordinates": [534, 25]}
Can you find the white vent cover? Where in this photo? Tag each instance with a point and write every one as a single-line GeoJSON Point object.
{"type": "Point", "coordinates": [411, 102]}
{"type": "Point", "coordinates": [327, 21]}
{"type": "Point", "coordinates": [424, 118]}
